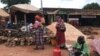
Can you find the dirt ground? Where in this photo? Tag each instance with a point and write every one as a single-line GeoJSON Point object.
{"type": "Point", "coordinates": [95, 29]}
{"type": "Point", "coordinates": [27, 51]}
{"type": "Point", "coordinates": [97, 35]}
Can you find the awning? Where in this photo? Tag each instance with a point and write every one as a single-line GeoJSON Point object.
{"type": "Point", "coordinates": [76, 13]}
{"type": "Point", "coordinates": [53, 12]}
{"type": "Point", "coordinates": [26, 8]}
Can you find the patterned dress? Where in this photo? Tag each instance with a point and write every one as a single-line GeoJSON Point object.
{"type": "Point", "coordinates": [60, 36]}
{"type": "Point", "coordinates": [39, 39]}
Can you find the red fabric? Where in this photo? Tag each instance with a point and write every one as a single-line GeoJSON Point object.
{"type": "Point", "coordinates": [60, 33]}
{"type": "Point", "coordinates": [37, 17]}
{"type": "Point", "coordinates": [60, 37]}
{"type": "Point", "coordinates": [40, 19]}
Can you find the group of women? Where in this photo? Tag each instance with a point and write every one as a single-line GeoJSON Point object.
{"type": "Point", "coordinates": [80, 48]}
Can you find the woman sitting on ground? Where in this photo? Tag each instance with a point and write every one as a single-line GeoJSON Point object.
{"type": "Point", "coordinates": [80, 48]}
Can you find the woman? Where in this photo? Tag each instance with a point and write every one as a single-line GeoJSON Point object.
{"type": "Point", "coordinates": [39, 32]}
{"type": "Point", "coordinates": [80, 48]}
{"type": "Point", "coordinates": [60, 29]}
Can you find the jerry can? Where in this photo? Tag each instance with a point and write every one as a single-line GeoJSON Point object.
{"type": "Point", "coordinates": [57, 51]}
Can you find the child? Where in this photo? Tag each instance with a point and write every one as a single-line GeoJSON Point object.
{"type": "Point", "coordinates": [80, 47]}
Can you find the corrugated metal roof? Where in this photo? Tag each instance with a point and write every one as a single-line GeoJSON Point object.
{"type": "Point", "coordinates": [86, 12]}
{"type": "Point", "coordinates": [52, 12]}
{"type": "Point", "coordinates": [72, 11]}
{"type": "Point", "coordinates": [26, 8]}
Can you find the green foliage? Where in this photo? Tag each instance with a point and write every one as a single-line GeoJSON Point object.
{"type": "Point", "coordinates": [13, 2]}
{"type": "Point", "coordinates": [92, 6]}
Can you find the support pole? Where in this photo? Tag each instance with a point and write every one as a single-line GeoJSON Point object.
{"type": "Point", "coordinates": [25, 22]}
{"type": "Point", "coordinates": [68, 18]}
{"type": "Point", "coordinates": [9, 15]}
{"type": "Point", "coordinates": [15, 19]}
{"type": "Point", "coordinates": [42, 6]}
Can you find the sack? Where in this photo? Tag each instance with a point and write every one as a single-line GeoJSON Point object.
{"type": "Point", "coordinates": [53, 42]}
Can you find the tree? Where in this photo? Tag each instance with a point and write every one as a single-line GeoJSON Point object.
{"type": "Point", "coordinates": [13, 2]}
{"type": "Point", "coordinates": [92, 6]}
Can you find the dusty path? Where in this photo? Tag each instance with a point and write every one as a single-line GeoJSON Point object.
{"type": "Point", "coordinates": [27, 51]}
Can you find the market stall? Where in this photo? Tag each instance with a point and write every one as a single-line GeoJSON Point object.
{"type": "Point", "coordinates": [3, 18]}
{"type": "Point", "coordinates": [23, 13]}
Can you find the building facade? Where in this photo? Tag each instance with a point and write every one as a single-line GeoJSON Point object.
{"type": "Point", "coordinates": [81, 17]}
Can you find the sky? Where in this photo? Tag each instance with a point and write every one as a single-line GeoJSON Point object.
{"type": "Point", "coordinates": [60, 3]}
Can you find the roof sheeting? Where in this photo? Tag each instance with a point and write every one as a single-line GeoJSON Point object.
{"type": "Point", "coordinates": [26, 8]}
{"type": "Point", "coordinates": [52, 12]}
{"type": "Point", "coordinates": [75, 13]}
{"type": "Point", "coordinates": [3, 13]}
{"type": "Point", "coordinates": [72, 11]}
{"type": "Point", "coordinates": [86, 12]}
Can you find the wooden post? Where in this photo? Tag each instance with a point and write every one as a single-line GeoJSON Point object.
{"type": "Point", "coordinates": [15, 19]}
{"type": "Point", "coordinates": [25, 22]}
{"type": "Point", "coordinates": [10, 18]}
{"type": "Point", "coordinates": [68, 17]}
{"type": "Point", "coordinates": [9, 15]}
{"type": "Point", "coordinates": [54, 18]}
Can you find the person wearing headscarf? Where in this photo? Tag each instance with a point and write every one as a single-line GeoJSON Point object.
{"type": "Point", "coordinates": [40, 18]}
{"type": "Point", "coordinates": [39, 39]}
{"type": "Point", "coordinates": [80, 48]}
{"type": "Point", "coordinates": [60, 35]}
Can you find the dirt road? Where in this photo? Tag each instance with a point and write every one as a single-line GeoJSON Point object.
{"type": "Point", "coordinates": [27, 51]}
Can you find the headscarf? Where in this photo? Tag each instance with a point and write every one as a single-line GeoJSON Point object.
{"type": "Point", "coordinates": [59, 20]}
{"type": "Point", "coordinates": [40, 19]}
{"type": "Point", "coordinates": [60, 24]}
